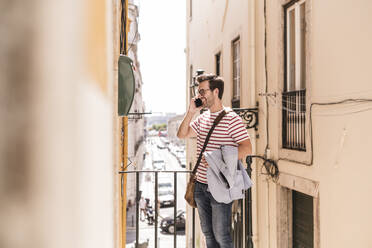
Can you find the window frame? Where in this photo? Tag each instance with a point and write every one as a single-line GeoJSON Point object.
{"type": "Point", "coordinates": [288, 183]}
{"type": "Point", "coordinates": [298, 156]}
{"type": "Point", "coordinates": [236, 86]}
{"type": "Point", "coordinates": [217, 62]}
{"type": "Point", "coordinates": [190, 10]}
{"type": "Point", "coordinates": [293, 6]}
{"type": "Point", "coordinates": [191, 92]}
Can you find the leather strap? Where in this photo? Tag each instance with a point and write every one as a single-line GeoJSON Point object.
{"type": "Point", "coordinates": [216, 121]}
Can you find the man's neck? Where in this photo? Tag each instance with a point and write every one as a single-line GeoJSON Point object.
{"type": "Point", "coordinates": [216, 107]}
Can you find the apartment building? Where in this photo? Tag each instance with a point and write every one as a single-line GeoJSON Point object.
{"type": "Point", "coordinates": [172, 129]}
{"type": "Point", "coordinates": [136, 125]}
{"type": "Point", "coordinates": [305, 65]}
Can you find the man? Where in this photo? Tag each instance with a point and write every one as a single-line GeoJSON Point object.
{"type": "Point", "coordinates": [215, 217]}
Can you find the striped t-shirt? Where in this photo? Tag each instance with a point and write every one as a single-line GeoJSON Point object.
{"type": "Point", "coordinates": [229, 131]}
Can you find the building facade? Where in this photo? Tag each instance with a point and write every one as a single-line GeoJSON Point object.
{"type": "Point", "coordinates": [304, 65]}
{"type": "Point", "coordinates": [136, 125]}
{"type": "Point", "coordinates": [60, 143]}
{"type": "Point", "coordinates": [172, 129]}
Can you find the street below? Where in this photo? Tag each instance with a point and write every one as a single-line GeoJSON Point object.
{"type": "Point", "coordinates": [157, 151]}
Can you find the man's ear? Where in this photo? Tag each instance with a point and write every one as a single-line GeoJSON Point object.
{"type": "Point", "coordinates": [216, 91]}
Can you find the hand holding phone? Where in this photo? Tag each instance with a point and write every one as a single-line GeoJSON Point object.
{"type": "Point", "coordinates": [198, 102]}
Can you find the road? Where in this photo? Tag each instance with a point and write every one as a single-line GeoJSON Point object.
{"type": "Point", "coordinates": [147, 186]}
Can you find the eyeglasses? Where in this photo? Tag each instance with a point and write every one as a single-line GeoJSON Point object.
{"type": "Point", "coordinates": [202, 91]}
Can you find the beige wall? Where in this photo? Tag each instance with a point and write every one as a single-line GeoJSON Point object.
{"type": "Point", "coordinates": [57, 144]}
{"type": "Point", "coordinates": [338, 68]}
{"type": "Point", "coordinates": [338, 60]}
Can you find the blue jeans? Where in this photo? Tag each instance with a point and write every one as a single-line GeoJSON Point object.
{"type": "Point", "coordinates": [215, 218]}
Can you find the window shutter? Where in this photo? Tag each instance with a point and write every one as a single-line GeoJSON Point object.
{"type": "Point", "coordinates": [303, 220]}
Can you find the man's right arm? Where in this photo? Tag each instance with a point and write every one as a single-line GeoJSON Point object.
{"type": "Point", "coordinates": [184, 130]}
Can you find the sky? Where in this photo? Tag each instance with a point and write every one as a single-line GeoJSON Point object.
{"type": "Point", "coordinates": [161, 54]}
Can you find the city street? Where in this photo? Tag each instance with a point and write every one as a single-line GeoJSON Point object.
{"type": "Point", "coordinates": [147, 186]}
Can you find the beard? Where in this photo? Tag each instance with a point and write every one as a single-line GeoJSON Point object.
{"type": "Point", "coordinates": [209, 102]}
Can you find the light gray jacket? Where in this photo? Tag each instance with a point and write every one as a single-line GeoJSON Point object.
{"type": "Point", "coordinates": [227, 178]}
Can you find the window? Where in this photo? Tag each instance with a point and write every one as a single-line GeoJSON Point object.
{"type": "Point", "coordinates": [294, 95]}
{"type": "Point", "coordinates": [191, 83]}
{"type": "Point", "coordinates": [302, 220]}
{"type": "Point", "coordinates": [218, 63]}
{"type": "Point", "coordinates": [295, 47]}
{"type": "Point", "coordinates": [298, 206]}
{"type": "Point", "coordinates": [236, 73]}
{"type": "Point", "coordinates": [190, 10]}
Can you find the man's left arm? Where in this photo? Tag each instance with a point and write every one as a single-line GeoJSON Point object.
{"type": "Point", "coordinates": [244, 148]}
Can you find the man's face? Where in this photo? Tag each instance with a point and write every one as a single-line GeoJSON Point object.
{"type": "Point", "coordinates": [206, 94]}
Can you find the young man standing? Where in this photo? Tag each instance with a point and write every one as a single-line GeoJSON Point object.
{"type": "Point", "coordinates": [215, 217]}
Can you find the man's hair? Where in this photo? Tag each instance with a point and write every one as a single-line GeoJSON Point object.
{"type": "Point", "coordinates": [215, 82]}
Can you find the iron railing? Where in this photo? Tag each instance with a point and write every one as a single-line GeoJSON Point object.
{"type": "Point", "coordinates": [138, 197]}
{"type": "Point", "coordinates": [242, 237]}
{"type": "Point", "coordinates": [241, 224]}
{"type": "Point", "coordinates": [294, 113]}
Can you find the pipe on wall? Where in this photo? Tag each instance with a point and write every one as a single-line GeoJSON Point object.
{"type": "Point", "coordinates": [252, 80]}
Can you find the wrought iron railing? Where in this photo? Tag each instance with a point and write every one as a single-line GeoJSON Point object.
{"type": "Point", "coordinates": [239, 219]}
{"type": "Point", "coordinates": [156, 185]}
{"type": "Point", "coordinates": [242, 217]}
{"type": "Point", "coordinates": [294, 119]}
{"type": "Point", "coordinates": [249, 116]}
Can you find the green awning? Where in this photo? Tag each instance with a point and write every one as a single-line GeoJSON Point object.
{"type": "Point", "coordinates": [126, 85]}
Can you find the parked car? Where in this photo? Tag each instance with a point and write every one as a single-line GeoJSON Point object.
{"type": "Point", "coordinates": [161, 146]}
{"type": "Point", "coordinates": [165, 185]}
{"type": "Point", "coordinates": [172, 149]}
{"type": "Point", "coordinates": [166, 198]}
{"type": "Point", "coordinates": [183, 162]}
{"type": "Point", "coordinates": [167, 224]}
{"type": "Point", "coordinates": [180, 153]}
{"type": "Point", "coordinates": [158, 164]}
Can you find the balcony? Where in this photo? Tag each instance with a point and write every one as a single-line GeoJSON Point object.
{"type": "Point", "coordinates": [179, 227]}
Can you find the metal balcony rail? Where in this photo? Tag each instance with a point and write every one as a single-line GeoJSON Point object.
{"type": "Point", "coordinates": [294, 112]}
{"type": "Point", "coordinates": [242, 236]}
{"type": "Point", "coordinates": [156, 172]}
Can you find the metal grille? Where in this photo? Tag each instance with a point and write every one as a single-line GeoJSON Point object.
{"type": "Point", "coordinates": [242, 237]}
{"type": "Point", "coordinates": [303, 220]}
{"type": "Point", "coordinates": [241, 224]}
{"type": "Point", "coordinates": [237, 225]}
{"type": "Point", "coordinates": [156, 185]}
{"type": "Point", "coordinates": [294, 112]}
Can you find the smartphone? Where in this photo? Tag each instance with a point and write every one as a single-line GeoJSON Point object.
{"type": "Point", "coordinates": [198, 102]}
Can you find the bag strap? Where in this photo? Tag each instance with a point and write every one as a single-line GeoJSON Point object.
{"type": "Point", "coordinates": [216, 121]}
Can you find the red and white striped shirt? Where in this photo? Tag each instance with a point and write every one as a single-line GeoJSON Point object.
{"type": "Point", "coordinates": [229, 131]}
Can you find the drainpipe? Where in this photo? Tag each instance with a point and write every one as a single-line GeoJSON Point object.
{"type": "Point", "coordinates": [267, 149]}
{"type": "Point", "coordinates": [252, 80]}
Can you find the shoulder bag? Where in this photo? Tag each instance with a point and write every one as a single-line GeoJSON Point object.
{"type": "Point", "coordinates": [189, 195]}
